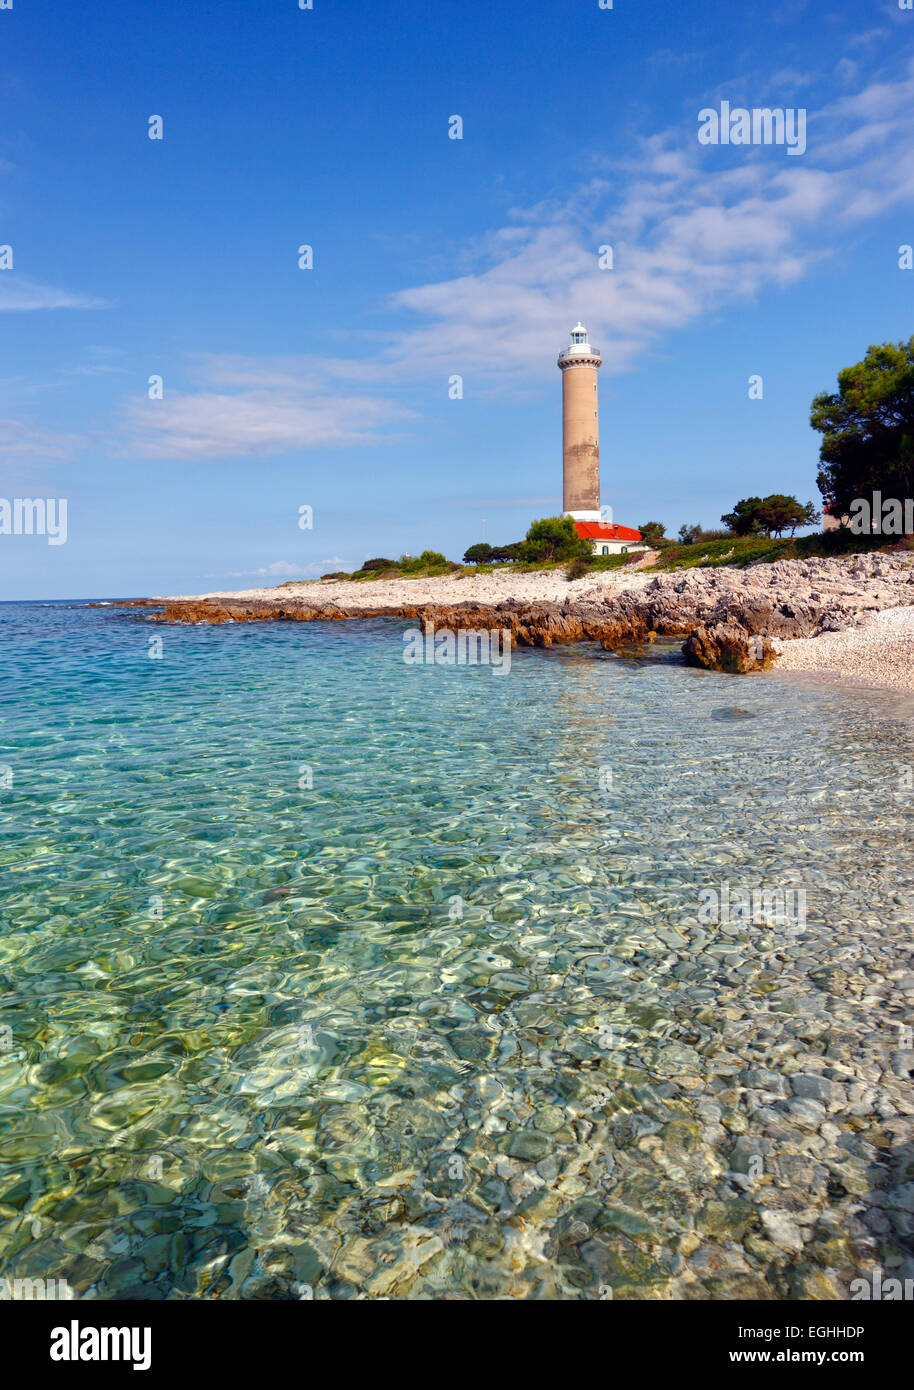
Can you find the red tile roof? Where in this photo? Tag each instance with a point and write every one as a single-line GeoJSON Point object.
{"type": "Point", "coordinates": [604, 531]}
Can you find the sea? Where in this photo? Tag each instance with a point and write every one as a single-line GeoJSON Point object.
{"type": "Point", "coordinates": [328, 975]}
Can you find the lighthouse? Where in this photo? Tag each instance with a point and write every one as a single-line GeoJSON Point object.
{"type": "Point", "coordinates": [579, 364]}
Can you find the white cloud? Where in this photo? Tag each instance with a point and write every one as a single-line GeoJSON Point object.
{"type": "Point", "coordinates": [694, 230]}
{"type": "Point", "coordinates": [22, 441]}
{"type": "Point", "coordinates": [691, 232]}
{"type": "Point", "coordinates": [19, 295]}
{"type": "Point", "coordinates": [255, 421]}
{"type": "Point", "coordinates": [868, 37]}
{"type": "Point", "coordinates": [790, 77]}
{"type": "Point", "coordinates": [281, 569]}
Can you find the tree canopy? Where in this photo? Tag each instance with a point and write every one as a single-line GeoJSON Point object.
{"type": "Point", "coordinates": [867, 428]}
{"type": "Point", "coordinates": [555, 538]}
{"type": "Point", "coordinates": [772, 515]}
{"type": "Point", "coordinates": [744, 519]}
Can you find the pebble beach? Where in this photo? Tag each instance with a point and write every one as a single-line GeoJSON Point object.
{"type": "Point", "coordinates": [879, 653]}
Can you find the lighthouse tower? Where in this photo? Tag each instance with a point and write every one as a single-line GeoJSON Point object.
{"type": "Point", "coordinates": [579, 364]}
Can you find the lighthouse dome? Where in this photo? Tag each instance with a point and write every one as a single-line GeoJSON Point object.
{"type": "Point", "coordinates": [579, 339]}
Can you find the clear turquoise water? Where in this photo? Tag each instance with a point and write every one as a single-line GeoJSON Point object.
{"type": "Point", "coordinates": [214, 1088]}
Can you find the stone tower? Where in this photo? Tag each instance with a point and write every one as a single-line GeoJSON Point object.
{"type": "Point", "coordinates": [579, 364]}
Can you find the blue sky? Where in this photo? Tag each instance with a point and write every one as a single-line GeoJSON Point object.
{"type": "Point", "coordinates": [432, 257]}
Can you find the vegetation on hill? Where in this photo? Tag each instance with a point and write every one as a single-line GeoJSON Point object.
{"type": "Point", "coordinates": [714, 549]}
{"type": "Point", "coordinates": [551, 539]}
{"type": "Point", "coordinates": [748, 550]}
{"type": "Point", "coordinates": [425, 566]}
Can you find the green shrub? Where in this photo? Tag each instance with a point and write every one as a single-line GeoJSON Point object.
{"type": "Point", "coordinates": [554, 538]}
{"type": "Point", "coordinates": [600, 563]}
{"type": "Point", "coordinates": [428, 560]}
{"type": "Point", "coordinates": [577, 568]}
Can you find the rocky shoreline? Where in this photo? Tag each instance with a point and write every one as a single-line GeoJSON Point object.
{"type": "Point", "coordinates": [734, 620]}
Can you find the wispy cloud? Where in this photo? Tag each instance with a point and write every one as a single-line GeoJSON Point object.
{"type": "Point", "coordinates": [19, 295]}
{"type": "Point", "coordinates": [695, 230]}
{"type": "Point", "coordinates": [281, 569]}
{"type": "Point", "coordinates": [259, 418]}
{"type": "Point", "coordinates": [692, 232]}
{"type": "Point", "coordinates": [23, 442]}
{"type": "Point", "coordinates": [867, 38]}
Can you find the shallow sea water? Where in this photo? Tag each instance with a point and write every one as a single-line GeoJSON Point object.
{"type": "Point", "coordinates": [448, 1022]}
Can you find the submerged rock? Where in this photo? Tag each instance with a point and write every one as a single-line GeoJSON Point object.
{"type": "Point", "coordinates": [781, 1231]}
{"type": "Point", "coordinates": [728, 647]}
{"type": "Point", "coordinates": [529, 1144]}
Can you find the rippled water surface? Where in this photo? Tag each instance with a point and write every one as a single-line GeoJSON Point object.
{"type": "Point", "coordinates": [449, 1021]}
